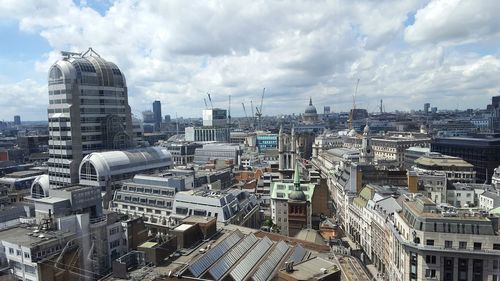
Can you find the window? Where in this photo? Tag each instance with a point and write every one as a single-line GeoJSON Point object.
{"type": "Point", "coordinates": [448, 244]}
{"type": "Point", "coordinates": [18, 252]}
{"type": "Point", "coordinates": [29, 269]}
{"type": "Point", "coordinates": [113, 230]}
{"type": "Point", "coordinates": [26, 255]}
{"type": "Point", "coordinates": [462, 245]}
{"type": "Point", "coordinates": [114, 244]}
{"type": "Point", "coordinates": [430, 259]}
{"type": "Point", "coordinates": [11, 251]}
{"type": "Point", "coordinates": [430, 242]}
{"type": "Point", "coordinates": [496, 246]}
{"type": "Point", "coordinates": [158, 212]}
{"type": "Point", "coordinates": [430, 273]}
{"type": "Point", "coordinates": [477, 246]}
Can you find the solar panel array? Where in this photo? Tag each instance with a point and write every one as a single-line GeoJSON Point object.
{"type": "Point", "coordinates": [204, 262]}
{"type": "Point", "coordinates": [225, 263]}
{"type": "Point", "coordinates": [251, 259]}
{"type": "Point", "coordinates": [269, 265]}
{"type": "Point", "coordinates": [298, 254]}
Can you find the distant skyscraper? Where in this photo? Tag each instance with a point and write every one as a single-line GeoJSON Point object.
{"type": "Point", "coordinates": [326, 110]}
{"type": "Point", "coordinates": [167, 118]}
{"type": "Point", "coordinates": [426, 108]}
{"type": "Point", "coordinates": [88, 111]}
{"type": "Point", "coordinates": [17, 120]}
{"type": "Point", "coordinates": [157, 114]}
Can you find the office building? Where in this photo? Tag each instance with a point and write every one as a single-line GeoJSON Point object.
{"type": "Point", "coordinates": [107, 169]}
{"type": "Point", "coordinates": [215, 117]}
{"type": "Point", "coordinates": [427, 106]}
{"type": "Point", "coordinates": [431, 243]}
{"type": "Point", "coordinates": [157, 115]}
{"type": "Point", "coordinates": [482, 151]}
{"type": "Point", "coordinates": [17, 120]}
{"type": "Point", "coordinates": [150, 197]}
{"type": "Point", "coordinates": [456, 169]}
{"type": "Point", "coordinates": [391, 146]}
{"type": "Point", "coordinates": [218, 151]}
{"type": "Point", "coordinates": [182, 151]}
{"type": "Point", "coordinates": [88, 111]}
{"type": "Point", "coordinates": [413, 153]}
{"type": "Point", "coordinates": [215, 127]}
{"type": "Point", "coordinates": [228, 206]}
{"type": "Point", "coordinates": [266, 142]}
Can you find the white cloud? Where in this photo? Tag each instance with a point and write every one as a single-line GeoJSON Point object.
{"type": "Point", "coordinates": [27, 98]}
{"type": "Point", "coordinates": [456, 22]}
{"type": "Point", "coordinates": [176, 51]}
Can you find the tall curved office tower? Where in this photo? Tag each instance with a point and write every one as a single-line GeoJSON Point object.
{"type": "Point", "coordinates": [88, 111]}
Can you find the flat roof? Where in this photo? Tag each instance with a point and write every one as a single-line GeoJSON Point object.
{"type": "Point", "coordinates": [198, 219]}
{"type": "Point", "coordinates": [442, 160]}
{"type": "Point", "coordinates": [148, 244]}
{"type": "Point", "coordinates": [312, 269]}
{"type": "Point", "coordinates": [50, 200]}
{"type": "Point", "coordinates": [24, 174]}
{"type": "Point", "coordinates": [19, 236]}
{"type": "Point", "coordinates": [183, 227]}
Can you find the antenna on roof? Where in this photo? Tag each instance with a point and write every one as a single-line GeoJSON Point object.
{"type": "Point", "coordinates": [67, 54]}
{"type": "Point", "coordinates": [90, 51]}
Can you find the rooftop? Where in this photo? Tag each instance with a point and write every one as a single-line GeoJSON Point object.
{"type": "Point", "coordinates": [24, 174]}
{"type": "Point", "coordinates": [314, 268]}
{"type": "Point", "coordinates": [443, 161]}
{"type": "Point", "coordinates": [30, 236]}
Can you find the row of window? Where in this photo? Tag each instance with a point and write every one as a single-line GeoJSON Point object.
{"type": "Point", "coordinates": [140, 200]}
{"type": "Point", "coordinates": [58, 110]}
{"type": "Point", "coordinates": [102, 110]}
{"type": "Point", "coordinates": [59, 101]}
{"type": "Point", "coordinates": [61, 156]}
{"type": "Point", "coordinates": [169, 193]}
{"type": "Point", "coordinates": [19, 253]}
{"type": "Point", "coordinates": [102, 101]}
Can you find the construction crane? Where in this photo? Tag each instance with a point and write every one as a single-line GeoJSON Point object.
{"type": "Point", "coordinates": [205, 100]}
{"type": "Point", "coordinates": [210, 99]}
{"type": "Point", "coordinates": [351, 114]}
{"type": "Point", "coordinates": [258, 114]}
{"type": "Point", "coordinates": [246, 116]}
{"type": "Point", "coordinates": [253, 115]}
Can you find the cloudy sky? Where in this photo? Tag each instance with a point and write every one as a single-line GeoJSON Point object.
{"type": "Point", "coordinates": [405, 52]}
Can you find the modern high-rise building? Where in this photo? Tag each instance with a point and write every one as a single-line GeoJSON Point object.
{"type": "Point", "coordinates": [427, 106]}
{"type": "Point", "coordinates": [17, 120]}
{"type": "Point", "coordinates": [88, 111]}
{"type": "Point", "coordinates": [157, 114]}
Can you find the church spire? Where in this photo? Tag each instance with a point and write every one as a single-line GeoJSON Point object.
{"type": "Point", "coordinates": [310, 101]}
{"type": "Point", "coordinates": [296, 177]}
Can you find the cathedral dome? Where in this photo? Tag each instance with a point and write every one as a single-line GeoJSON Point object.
{"type": "Point", "coordinates": [311, 109]}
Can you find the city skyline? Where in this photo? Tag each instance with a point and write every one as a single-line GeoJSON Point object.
{"type": "Point", "coordinates": [404, 53]}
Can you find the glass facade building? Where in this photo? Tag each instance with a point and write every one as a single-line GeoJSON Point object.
{"type": "Point", "coordinates": [88, 111]}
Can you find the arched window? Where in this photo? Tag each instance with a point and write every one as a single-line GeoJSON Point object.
{"type": "Point", "coordinates": [88, 171]}
{"type": "Point", "coordinates": [55, 75]}
{"type": "Point", "coordinates": [37, 191]}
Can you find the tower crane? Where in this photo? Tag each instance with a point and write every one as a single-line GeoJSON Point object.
{"type": "Point", "coordinates": [246, 116]}
{"type": "Point", "coordinates": [210, 99]}
{"type": "Point", "coordinates": [205, 100]}
{"type": "Point", "coordinates": [258, 114]}
{"type": "Point", "coordinates": [351, 114]}
{"type": "Point", "coordinates": [253, 115]}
